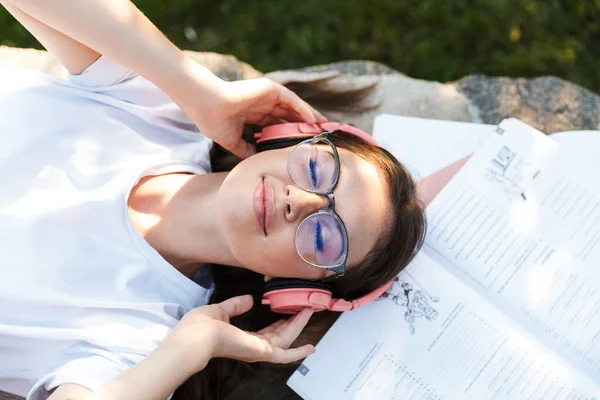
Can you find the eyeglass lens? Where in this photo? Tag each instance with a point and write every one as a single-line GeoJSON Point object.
{"type": "Point", "coordinates": [320, 238]}
{"type": "Point", "coordinates": [313, 166]}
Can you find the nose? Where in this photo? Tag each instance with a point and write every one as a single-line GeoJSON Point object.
{"type": "Point", "coordinates": [301, 203]}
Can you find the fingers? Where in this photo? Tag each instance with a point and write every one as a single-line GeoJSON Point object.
{"type": "Point", "coordinates": [279, 115]}
{"type": "Point", "coordinates": [281, 356]}
{"type": "Point", "coordinates": [282, 114]}
{"type": "Point", "coordinates": [236, 305]}
{"type": "Point", "coordinates": [291, 100]}
{"type": "Point", "coordinates": [270, 344]}
{"type": "Point", "coordinates": [287, 333]}
{"type": "Point", "coordinates": [273, 327]}
{"type": "Point", "coordinates": [252, 347]}
{"type": "Point", "coordinates": [243, 149]}
{"type": "Point", "coordinates": [287, 114]}
{"type": "Point", "coordinates": [320, 117]}
{"type": "Point", "coordinates": [256, 101]}
{"type": "Point", "coordinates": [270, 120]}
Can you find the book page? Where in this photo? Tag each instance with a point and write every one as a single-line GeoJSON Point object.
{"type": "Point", "coordinates": [432, 338]}
{"type": "Point", "coordinates": [580, 150]}
{"type": "Point", "coordinates": [524, 233]}
{"type": "Point", "coordinates": [426, 145]}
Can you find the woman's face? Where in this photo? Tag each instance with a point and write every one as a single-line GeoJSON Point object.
{"type": "Point", "coordinates": [262, 183]}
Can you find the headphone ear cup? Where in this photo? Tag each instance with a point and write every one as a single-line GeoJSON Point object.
{"type": "Point", "coordinates": [294, 283]}
{"type": "Point", "coordinates": [278, 143]}
{"type": "Point", "coordinates": [290, 296]}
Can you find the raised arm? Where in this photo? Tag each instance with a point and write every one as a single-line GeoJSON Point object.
{"type": "Point", "coordinates": [155, 378]}
{"type": "Point", "coordinates": [74, 56]}
{"type": "Point", "coordinates": [118, 30]}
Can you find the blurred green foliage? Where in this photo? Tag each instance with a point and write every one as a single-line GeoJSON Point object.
{"type": "Point", "coordinates": [430, 39]}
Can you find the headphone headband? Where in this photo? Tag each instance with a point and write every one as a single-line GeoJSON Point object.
{"type": "Point", "coordinates": [304, 130]}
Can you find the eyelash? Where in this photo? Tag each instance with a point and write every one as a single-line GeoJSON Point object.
{"type": "Point", "coordinates": [313, 173]}
{"type": "Point", "coordinates": [319, 238]}
{"type": "Point", "coordinates": [312, 167]}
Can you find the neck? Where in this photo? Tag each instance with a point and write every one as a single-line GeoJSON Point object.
{"type": "Point", "coordinates": [175, 214]}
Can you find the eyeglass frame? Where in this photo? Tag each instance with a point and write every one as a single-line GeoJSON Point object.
{"type": "Point", "coordinates": [338, 269]}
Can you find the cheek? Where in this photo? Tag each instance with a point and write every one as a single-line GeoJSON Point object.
{"type": "Point", "coordinates": [274, 256]}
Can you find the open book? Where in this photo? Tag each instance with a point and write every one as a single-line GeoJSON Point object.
{"type": "Point", "coordinates": [502, 302]}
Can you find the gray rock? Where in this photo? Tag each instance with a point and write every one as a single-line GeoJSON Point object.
{"type": "Point", "coordinates": [6, 396]}
{"type": "Point", "coordinates": [352, 67]}
{"type": "Point", "coordinates": [30, 59]}
{"type": "Point", "coordinates": [548, 103]}
{"type": "Point", "coordinates": [396, 93]}
{"type": "Point", "coordinates": [226, 67]}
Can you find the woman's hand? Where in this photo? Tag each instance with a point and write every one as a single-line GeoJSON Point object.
{"type": "Point", "coordinates": [255, 101]}
{"type": "Point", "coordinates": [207, 328]}
{"type": "Point", "coordinates": [203, 333]}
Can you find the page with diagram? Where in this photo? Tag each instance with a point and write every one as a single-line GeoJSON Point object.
{"type": "Point", "coordinates": [518, 227]}
{"type": "Point", "coordinates": [432, 338]}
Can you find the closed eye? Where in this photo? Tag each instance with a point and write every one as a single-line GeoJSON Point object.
{"type": "Point", "coordinates": [312, 166]}
{"type": "Point", "coordinates": [319, 243]}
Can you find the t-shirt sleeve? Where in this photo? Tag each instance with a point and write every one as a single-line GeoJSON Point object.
{"type": "Point", "coordinates": [91, 372]}
{"type": "Point", "coordinates": [110, 79]}
{"type": "Point", "coordinates": [102, 73]}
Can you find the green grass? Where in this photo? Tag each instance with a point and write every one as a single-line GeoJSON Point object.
{"type": "Point", "coordinates": [430, 39]}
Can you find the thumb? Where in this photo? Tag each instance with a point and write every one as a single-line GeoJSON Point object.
{"type": "Point", "coordinates": [242, 149]}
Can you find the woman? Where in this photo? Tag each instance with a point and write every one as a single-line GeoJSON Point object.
{"type": "Point", "coordinates": [108, 210]}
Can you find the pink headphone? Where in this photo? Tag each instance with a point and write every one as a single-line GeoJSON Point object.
{"type": "Point", "coordinates": [289, 296]}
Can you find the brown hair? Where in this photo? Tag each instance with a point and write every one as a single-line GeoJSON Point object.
{"type": "Point", "coordinates": [223, 378]}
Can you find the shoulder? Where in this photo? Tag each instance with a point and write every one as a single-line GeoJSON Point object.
{"type": "Point", "coordinates": [87, 370]}
{"type": "Point", "coordinates": [102, 73]}
{"type": "Point", "coordinates": [69, 391]}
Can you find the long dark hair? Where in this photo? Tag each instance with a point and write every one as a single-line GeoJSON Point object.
{"type": "Point", "coordinates": [231, 379]}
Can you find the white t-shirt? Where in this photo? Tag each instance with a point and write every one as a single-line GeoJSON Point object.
{"type": "Point", "coordinates": [83, 296]}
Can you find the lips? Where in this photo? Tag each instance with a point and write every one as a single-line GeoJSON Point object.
{"type": "Point", "coordinates": [264, 205]}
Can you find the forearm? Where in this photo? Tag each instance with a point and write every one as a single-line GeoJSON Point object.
{"type": "Point", "coordinates": [74, 56]}
{"type": "Point", "coordinates": [118, 30]}
{"type": "Point", "coordinates": [154, 378]}
{"type": "Point", "coordinates": [201, 334]}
